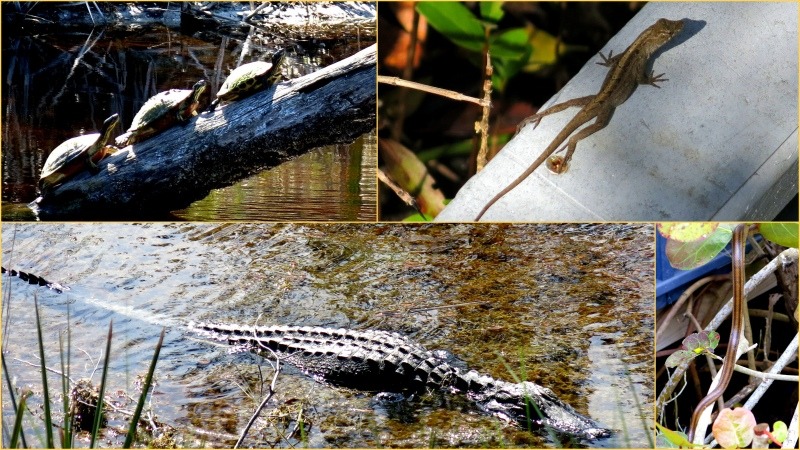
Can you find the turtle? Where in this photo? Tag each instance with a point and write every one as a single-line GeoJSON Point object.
{"type": "Point", "coordinates": [73, 155]}
{"type": "Point", "coordinates": [250, 78]}
{"type": "Point", "coordinates": [162, 111]}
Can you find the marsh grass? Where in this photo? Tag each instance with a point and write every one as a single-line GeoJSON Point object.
{"type": "Point", "coordinates": [531, 410]}
{"type": "Point", "coordinates": [66, 440]}
{"type": "Point", "coordinates": [66, 430]}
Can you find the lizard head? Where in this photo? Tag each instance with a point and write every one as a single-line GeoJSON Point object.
{"type": "Point", "coordinates": [667, 28]}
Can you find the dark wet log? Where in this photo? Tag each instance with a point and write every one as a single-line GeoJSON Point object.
{"type": "Point", "coordinates": [216, 149]}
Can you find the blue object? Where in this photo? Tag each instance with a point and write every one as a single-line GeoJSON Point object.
{"type": "Point", "coordinates": [671, 282]}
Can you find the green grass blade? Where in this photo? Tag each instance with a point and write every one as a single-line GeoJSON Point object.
{"type": "Point", "coordinates": [48, 419]}
{"type": "Point", "coordinates": [142, 398]}
{"type": "Point", "coordinates": [18, 421]}
{"type": "Point", "coordinates": [11, 393]}
{"type": "Point", "coordinates": [66, 440]}
{"type": "Point", "coordinates": [98, 415]}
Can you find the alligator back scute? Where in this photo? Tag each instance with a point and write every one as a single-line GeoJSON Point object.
{"type": "Point", "coordinates": [384, 361]}
{"type": "Point", "coordinates": [34, 279]}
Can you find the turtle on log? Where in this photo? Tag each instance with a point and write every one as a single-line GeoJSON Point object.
{"type": "Point", "coordinates": [77, 154]}
{"type": "Point", "coordinates": [163, 111]}
{"type": "Point", "coordinates": [250, 78]}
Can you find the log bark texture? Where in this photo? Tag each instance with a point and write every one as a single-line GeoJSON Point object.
{"type": "Point", "coordinates": [336, 104]}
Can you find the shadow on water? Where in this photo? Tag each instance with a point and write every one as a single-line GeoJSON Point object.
{"type": "Point", "coordinates": [568, 307]}
{"type": "Point", "coordinates": [64, 80]}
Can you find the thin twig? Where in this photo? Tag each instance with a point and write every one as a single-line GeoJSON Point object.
{"type": "Point", "coordinates": [264, 402]}
{"type": "Point", "coordinates": [754, 373]}
{"type": "Point", "coordinates": [47, 368]}
{"type": "Point", "coordinates": [482, 127]}
{"type": "Point", "coordinates": [789, 355]}
{"type": "Point", "coordinates": [682, 299]}
{"type": "Point", "coordinates": [432, 308]}
{"type": "Point", "coordinates": [407, 198]}
{"type": "Point", "coordinates": [395, 81]}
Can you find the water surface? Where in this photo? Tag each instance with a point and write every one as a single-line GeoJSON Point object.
{"type": "Point", "coordinates": [568, 307]}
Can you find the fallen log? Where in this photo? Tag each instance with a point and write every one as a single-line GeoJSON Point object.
{"type": "Point", "coordinates": [334, 105]}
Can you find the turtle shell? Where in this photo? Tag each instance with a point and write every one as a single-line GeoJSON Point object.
{"type": "Point", "coordinates": [164, 110]}
{"type": "Point", "coordinates": [251, 78]}
{"type": "Point", "coordinates": [73, 155]}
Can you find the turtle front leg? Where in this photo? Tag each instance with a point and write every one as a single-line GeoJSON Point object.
{"type": "Point", "coordinates": [91, 161]}
{"type": "Point", "coordinates": [92, 166]}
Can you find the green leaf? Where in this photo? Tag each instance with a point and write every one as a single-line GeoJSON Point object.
{"type": "Point", "coordinates": [704, 341]}
{"type": "Point", "coordinates": [492, 11]}
{"type": "Point", "coordinates": [454, 21]}
{"type": "Point", "coordinates": [695, 345]}
{"type": "Point", "coordinates": [690, 255]}
{"type": "Point", "coordinates": [547, 49]}
{"type": "Point", "coordinates": [784, 234]}
{"type": "Point", "coordinates": [734, 428]}
{"type": "Point", "coordinates": [679, 357]}
{"type": "Point", "coordinates": [509, 50]}
{"type": "Point", "coordinates": [676, 438]}
{"type": "Point", "coordinates": [510, 44]}
{"type": "Point", "coordinates": [686, 231]}
{"type": "Point", "coordinates": [417, 217]}
{"type": "Point", "coordinates": [780, 431]}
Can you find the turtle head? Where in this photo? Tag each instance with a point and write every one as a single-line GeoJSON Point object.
{"type": "Point", "coordinates": [108, 126]}
{"type": "Point", "coordinates": [189, 107]}
{"type": "Point", "coordinates": [111, 122]}
{"type": "Point", "coordinates": [198, 89]}
{"type": "Point", "coordinates": [277, 57]}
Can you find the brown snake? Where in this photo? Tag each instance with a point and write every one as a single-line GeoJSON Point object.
{"type": "Point", "coordinates": [737, 271]}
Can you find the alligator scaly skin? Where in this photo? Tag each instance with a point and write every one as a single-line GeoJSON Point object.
{"type": "Point", "coordinates": [382, 361]}
{"type": "Point", "coordinates": [34, 279]}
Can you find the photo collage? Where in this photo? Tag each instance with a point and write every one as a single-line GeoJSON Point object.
{"type": "Point", "coordinates": [243, 222]}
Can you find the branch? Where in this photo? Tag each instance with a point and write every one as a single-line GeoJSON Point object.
{"type": "Point", "coordinates": [336, 104]}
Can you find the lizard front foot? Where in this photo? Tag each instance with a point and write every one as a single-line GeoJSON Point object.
{"type": "Point", "coordinates": [534, 119]}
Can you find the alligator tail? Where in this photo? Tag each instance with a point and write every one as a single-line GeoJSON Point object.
{"type": "Point", "coordinates": [35, 280]}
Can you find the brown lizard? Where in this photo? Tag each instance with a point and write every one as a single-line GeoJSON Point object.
{"type": "Point", "coordinates": [627, 71]}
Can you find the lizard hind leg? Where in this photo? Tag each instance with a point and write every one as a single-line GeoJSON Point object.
{"type": "Point", "coordinates": [536, 118]}
{"type": "Point", "coordinates": [558, 165]}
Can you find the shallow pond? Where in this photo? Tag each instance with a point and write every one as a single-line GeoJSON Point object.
{"type": "Point", "coordinates": [568, 307]}
{"type": "Point", "coordinates": [63, 81]}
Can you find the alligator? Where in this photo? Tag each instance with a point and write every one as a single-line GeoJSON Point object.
{"type": "Point", "coordinates": [382, 361]}
{"type": "Point", "coordinates": [34, 279]}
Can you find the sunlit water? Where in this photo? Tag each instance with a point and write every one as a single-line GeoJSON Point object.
{"type": "Point", "coordinates": [567, 307]}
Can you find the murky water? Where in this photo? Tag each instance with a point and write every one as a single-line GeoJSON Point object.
{"type": "Point", "coordinates": [65, 82]}
{"type": "Point", "coordinates": [569, 307]}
